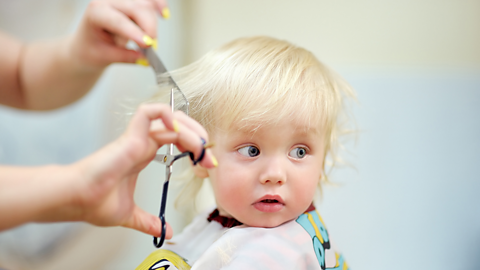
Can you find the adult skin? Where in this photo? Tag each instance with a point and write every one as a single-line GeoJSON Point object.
{"type": "Point", "coordinates": [51, 74]}
{"type": "Point", "coordinates": [99, 189]}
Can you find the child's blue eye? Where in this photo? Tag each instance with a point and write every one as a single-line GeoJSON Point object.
{"type": "Point", "coordinates": [298, 152]}
{"type": "Point", "coordinates": [249, 151]}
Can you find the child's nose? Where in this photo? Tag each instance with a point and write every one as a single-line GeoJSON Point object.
{"type": "Point", "coordinates": [274, 172]}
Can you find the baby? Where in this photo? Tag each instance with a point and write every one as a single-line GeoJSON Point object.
{"type": "Point", "coordinates": [273, 111]}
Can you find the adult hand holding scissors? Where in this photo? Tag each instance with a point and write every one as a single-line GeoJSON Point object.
{"type": "Point", "coordinates": [99, 189]}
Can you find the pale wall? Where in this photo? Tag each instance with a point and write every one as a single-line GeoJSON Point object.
{"type": "Point", "coordinates": [348, 32]}
{"type": "Point", "coordinates": [412, 200]}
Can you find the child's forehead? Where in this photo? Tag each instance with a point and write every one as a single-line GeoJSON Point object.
{"type": "Point", "coordinates": [251, 129]}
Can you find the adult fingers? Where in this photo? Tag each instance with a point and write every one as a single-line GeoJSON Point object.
{"type": "Point", "coordinates": [147, 223]}
{"type": "Point", "coordinates": [143, 13]}
{"type": "Point", "coordinates": [120, 54]}
{"type": "Point", "coordinates": [116, 18]}
{"type": "Point", "coordinates": [191, 124]}
{"type": "Point", "coordinates": [186, 139]}
{"type": "Point", "coordinates": [162, 7]}
{"type": "Point", "coordinates": [209, 160]}
{"type": "Point", "coordinates": [101, 14]}
{"type": "Point", "coordinates": [146, 113]}
{"type": "Point", "coordinates": [185, 135]}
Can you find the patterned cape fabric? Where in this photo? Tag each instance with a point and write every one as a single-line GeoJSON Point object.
{"type": "Point", "coordinates": [303, 243]}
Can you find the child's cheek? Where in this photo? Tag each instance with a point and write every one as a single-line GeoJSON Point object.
{"type": "Point", "coordinates": [232, 189]}
{"type": "Point", "coordinates": [305, 193]}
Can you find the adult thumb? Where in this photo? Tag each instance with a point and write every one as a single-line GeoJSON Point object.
{"type": "Point", "coordinates": [147, 223]}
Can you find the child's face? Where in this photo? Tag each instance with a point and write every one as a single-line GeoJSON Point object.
{"type": "Point", "coordinates": [268, 177]}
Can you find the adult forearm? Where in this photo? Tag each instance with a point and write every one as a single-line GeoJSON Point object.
{"type": "Point", "coordinates": [51, 77]}
{"type": "Point", "coordinates": [36, 194]}
{"type": "Point", "coordinates": [11, 50]}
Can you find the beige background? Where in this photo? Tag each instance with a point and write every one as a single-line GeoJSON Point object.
{"type": "Point", "coordinates": [347, 32]}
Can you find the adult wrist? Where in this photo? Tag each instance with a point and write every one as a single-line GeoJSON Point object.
{"type": "Point", "coordinates": [62, 184]}
{"type": "Point", "coordinates": [75, 55]}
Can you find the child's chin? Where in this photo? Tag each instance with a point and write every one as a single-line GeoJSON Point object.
{"type": "Point", "coordinates": [268, 223]}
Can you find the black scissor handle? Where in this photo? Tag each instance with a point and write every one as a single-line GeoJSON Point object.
{"type": "Point", "coordinates": [159, 243]}
{"type": "Point", "coordinates": [192, 157]}
{"type": "Point", "coordinates": [161, 215]}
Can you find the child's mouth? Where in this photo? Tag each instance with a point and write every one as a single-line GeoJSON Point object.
{"type": "Point", "coordinates": [269, 203]}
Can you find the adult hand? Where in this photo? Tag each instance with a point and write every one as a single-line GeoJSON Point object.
{"type": "Point", "coordinates": [108, 178]}
{"type": "Point", "coordinates": [49, 74]}
{"type": "Point", "coordinates": [99, 189]}
{"type": "Point", "coordinates": [108, 24]}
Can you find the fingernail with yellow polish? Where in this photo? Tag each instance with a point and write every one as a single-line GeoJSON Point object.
{"type": "Point", "coordinates": [154, 44]}
{"type": "Point", "coordinates": [147, 40]}
{"type": "Point", "coordinates": [166, 13]}
{"type": "Point", "coordinates": [214, 161]}
{"type": "Point", "coordinates": [176, 127]}
{"type": "Point", "coordinates": [142, 62]}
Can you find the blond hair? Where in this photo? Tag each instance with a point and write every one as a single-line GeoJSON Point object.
{"type": "Point", "coordinates": [259, 81]}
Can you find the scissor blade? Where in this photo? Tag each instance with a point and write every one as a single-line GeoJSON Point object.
{"type": "Point", "coordinates": [168, 173]}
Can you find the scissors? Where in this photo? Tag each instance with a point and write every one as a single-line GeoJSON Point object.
{"type": "Point", "coordinates": [169, 158]}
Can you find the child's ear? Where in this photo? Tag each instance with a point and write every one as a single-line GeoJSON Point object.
{"type": "Point", "coordinates": [200, 171]}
